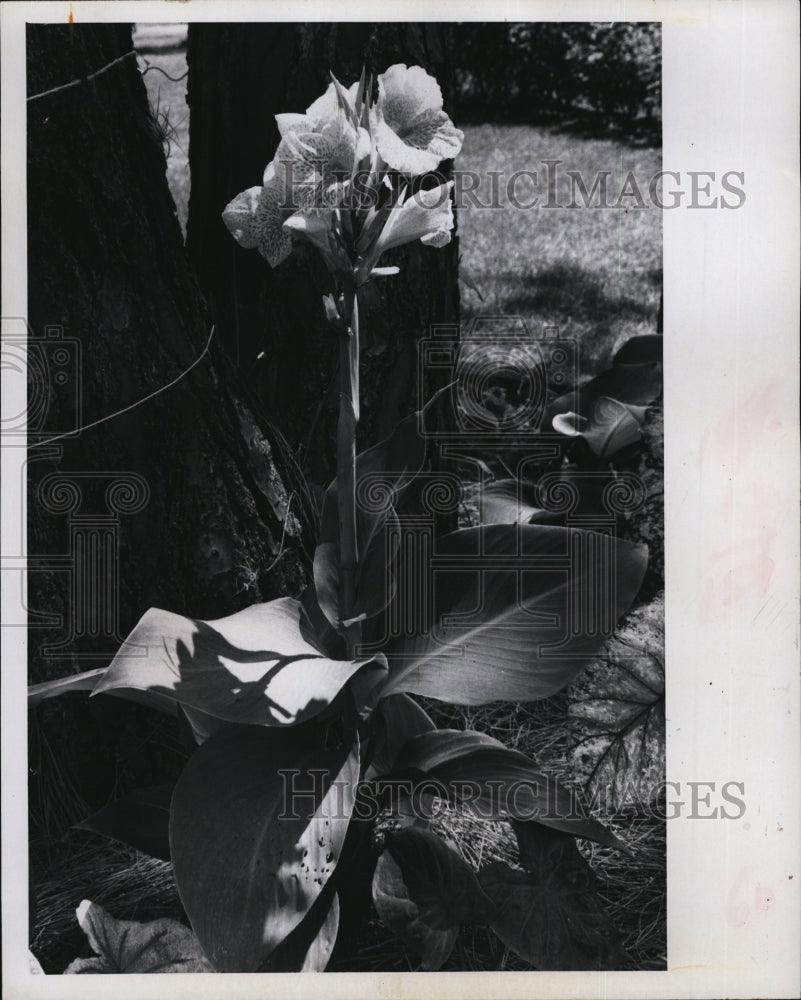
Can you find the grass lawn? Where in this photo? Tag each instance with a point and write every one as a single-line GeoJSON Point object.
{"type": "Point", "coordinates": [162, 59]}
{"type": "Point", "coordinates": [595, 274]}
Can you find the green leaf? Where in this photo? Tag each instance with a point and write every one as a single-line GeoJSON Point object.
{"type": "Point", "coordinates": [496, 782]}
{"type": "Point", "coordinates": [252, 667]}
{"type": "Point", "coordinates": [617, 713]}
{"type": "Point", "coordinates": [510, 631]}
{"type": "Point", "coordinates": [397, 719]}
{"type": "Point", "coordinates": [140, 820]}
{"type": "Point", "coordinates": [551, 915]}
{"type": "Point", "coordinates": [257, 824]}
{"type": "Point", "coordinates": [423, 890]}
{"type": "Point", "coordinates": [130, 947]}
{"type": "Point", "coordinates": [611, 427]}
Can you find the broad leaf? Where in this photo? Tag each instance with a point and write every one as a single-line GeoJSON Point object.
{"type": "Point", "coordinates": [517, 612]}
{"type": "Point", "coordinates": [617, 713]}
{"type": "Point", "coordinates": [252, 667]}
{"type": "Point", "coordinates": [383, 472]}
{"type": "Point", "coordinates": [321, 948]}
{"type": "Point", "coordinates": [88, 681]}
{"type": "Point", "coordinates": [509, 501]}
{"type": "Point", "coordinates": [644, 350]}
{"type": "Point", "coordinates": [423, 890]}
{"type": "Point", "coordinates": [310, 945]}
{"type": "Point", "coordinates": [397, 719]}
{"type": "Point", "coordinates": [140, 820]}
{"type": "Point", "coordinates": [611, 427]}
{"type": "Point", "coordinates": [634, 378]}
{"type": "Point", "coordinates": [317, 629]}
{"type": "Point", "coordinates": [585, 490]}
{"type": "Point", "coordinates": [257, 824]}
{"type": "Point", "coordinates": [202, 724]}
{"type": "Point", "coordinates": [551, 915]}
{"type": "Point", "coordinates": [496, 782]}
{"type": "Point", "coordinates": [378, 537]}
{"type": "Point", "coordinates": [130, 947]}
{"type": "Point", "coordinates": [636, 385]}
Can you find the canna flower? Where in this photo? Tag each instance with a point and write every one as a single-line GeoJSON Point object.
{"type": "Point", "coordinates": [325, 108]}
{"type": "Point", "coordinates": [412, 132]}
{"type": "Point", "coordinates": [319, 152]}
{"type": "Point", "coordinates": [307, 191]}
{"type": "Point", "coordinates": [426, 216]}
{"type": "Point", "coordinates": [255, 219]}
{"type": "Point", "coordinates": [318, 229]}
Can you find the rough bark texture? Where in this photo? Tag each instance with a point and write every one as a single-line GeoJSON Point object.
{"type": "Point", "coordinates": [176, 503]}
{"type": "Point", "coordinates": [240, 76]}
{"type": "Point", "coordinates": [107, 266]}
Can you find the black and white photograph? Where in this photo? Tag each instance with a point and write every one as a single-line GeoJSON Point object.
{"type": "Point", "coordinates": [376, 588]}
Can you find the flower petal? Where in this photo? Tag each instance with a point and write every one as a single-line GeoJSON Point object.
{"type": "Point", "coordinates": [314, 228]}
{"type": "Point", "coordinates": [426, 215]}
{"type": "Point", "coordinates": [315, 167]}
{"type": "Point", "coordinates": [439, 238]}
{"type": "Point", "coordinates": [255, 220]}
{"type": "Point", "coordinates": [299, 164]}
{"type": "Point", "coordinates": [570, 424]}
{"type": "Point", "coordinates": [275, 244]}
{"type": "Point", "coordinates": [327, 107]}
{"type": "Point", "coordinates": [413, 134]}
{"type": "Point", "coordinates": [293, 123]}
{"type": "Point", "coordinates": [404, 92]}
{"type": "Point", "coordinates": [239, 217]}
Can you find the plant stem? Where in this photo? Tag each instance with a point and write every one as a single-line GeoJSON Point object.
{"type": "Point", "coordinates": [346, 470]}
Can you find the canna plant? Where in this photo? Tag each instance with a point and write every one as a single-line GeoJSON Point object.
{"type": "Point", "coordinates": [316, 769]}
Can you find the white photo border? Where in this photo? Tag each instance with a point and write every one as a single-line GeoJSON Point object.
{"type": "Point", "coordinates": [731, 279]}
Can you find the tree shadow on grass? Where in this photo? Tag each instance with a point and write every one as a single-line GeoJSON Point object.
{"type": "Point", "coordinates": [576, 300]}
{"type": "Point", "coordinates": [572, 292]}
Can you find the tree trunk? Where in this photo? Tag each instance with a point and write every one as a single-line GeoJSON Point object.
{"type": "Point", "coordinates": [175, 501]}
{"type": "Point", "coordinates": [272, 321]}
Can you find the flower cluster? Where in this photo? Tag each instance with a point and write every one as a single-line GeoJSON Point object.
{"type": "Point", "coordinates": [343, 176]}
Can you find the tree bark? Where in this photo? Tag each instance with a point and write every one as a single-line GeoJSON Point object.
{"type": "Point", "coordinates": [272, 321]}
{"type": "Point", "coordinates": [176, 501]}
